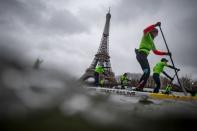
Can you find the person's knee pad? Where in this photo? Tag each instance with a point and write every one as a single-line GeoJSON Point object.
{"type": "Point", "coordinates": [146, 71]}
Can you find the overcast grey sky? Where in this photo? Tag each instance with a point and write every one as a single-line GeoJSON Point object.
{"type": "Point", "coordinates": [67, 33]}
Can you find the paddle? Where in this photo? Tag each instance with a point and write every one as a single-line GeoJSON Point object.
{"type": "Point", "coordinates": [185, 92]}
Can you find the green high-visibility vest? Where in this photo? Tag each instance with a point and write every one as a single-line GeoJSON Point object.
{"type": "Point", "coordinates": [158, 68]}
{"type": "Point", "coordinates": [147, 43]}
{"type": "Point", "coordinates": [168, 88]}
{"type": "Point", "coordinates": [99, 69]}
{"type": "Point", "coordinates": [123, 79]}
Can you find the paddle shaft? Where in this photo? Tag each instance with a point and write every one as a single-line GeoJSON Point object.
{"type": "Point", "coordinates": [185, 92]}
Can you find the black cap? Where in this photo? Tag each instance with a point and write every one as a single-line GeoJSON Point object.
{"type": "Point", "coordinates": [164, 60]}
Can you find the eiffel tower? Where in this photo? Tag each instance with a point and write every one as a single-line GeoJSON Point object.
{"type": "Point", "coordinates": [102, 57]}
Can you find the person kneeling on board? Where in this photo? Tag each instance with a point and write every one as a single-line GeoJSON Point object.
{"type": "Point", "coordinates": [168, 89]}
{"type": "Point", "coordinates": [124, 80]}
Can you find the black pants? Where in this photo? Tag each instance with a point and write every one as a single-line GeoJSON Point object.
{"type": "Point", "coordinates": [143, 61]}
{"type": "Point", "coordinates": [122, 85]}
{"type": "Point", "coordinates": [157, 81]}
{"type": "Point", "coordinates": [96, 77]}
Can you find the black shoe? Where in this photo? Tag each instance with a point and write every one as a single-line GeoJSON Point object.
{"type": "Point", "coordinates": [155, 91]}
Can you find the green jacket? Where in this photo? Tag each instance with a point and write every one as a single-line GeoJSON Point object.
{"type": "Point", "coordinates": [99, 69]}
{"type": "Point", "coordinates": [168, 88]}
{"type": "Point", "coordinates": [123, 79]}
{"type": "Point", "coordinates": [158, 68]}
{"type": "Point", "coordinates": [147, 43]}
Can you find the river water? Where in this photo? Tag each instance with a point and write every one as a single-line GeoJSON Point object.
{"type": "Point", "coordinates": [44, 101]}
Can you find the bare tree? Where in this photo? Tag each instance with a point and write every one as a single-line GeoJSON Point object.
{"type": "Point", "coordinates": [186, 82]}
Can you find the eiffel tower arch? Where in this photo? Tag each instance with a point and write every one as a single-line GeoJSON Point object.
{"type": "Point", "coordinates": [102, 57]}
